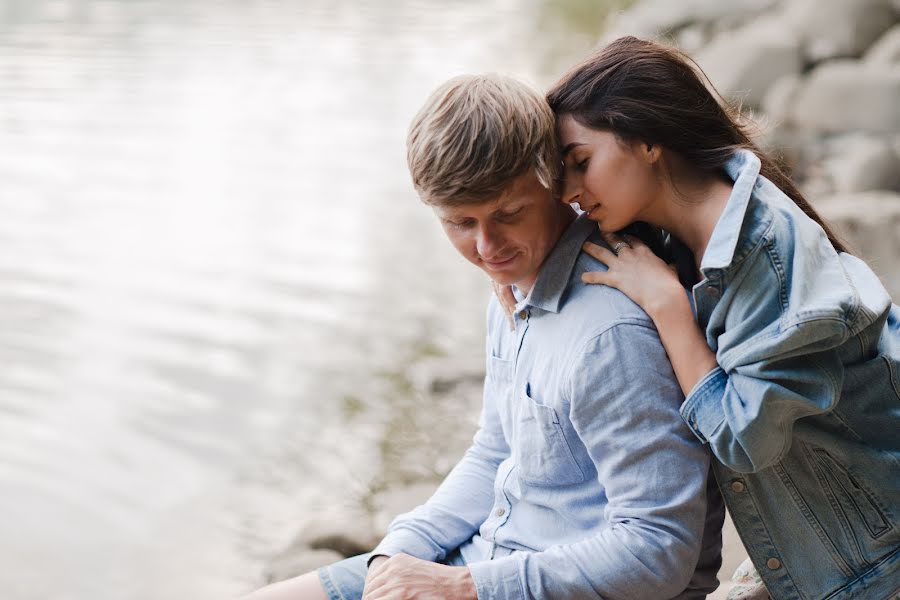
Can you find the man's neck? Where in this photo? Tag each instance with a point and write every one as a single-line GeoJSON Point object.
{"type": "Point", "coordinates": [565, 215]}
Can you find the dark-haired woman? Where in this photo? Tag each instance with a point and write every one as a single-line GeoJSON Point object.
{"type": "Point", "coordinates": [786, 346]}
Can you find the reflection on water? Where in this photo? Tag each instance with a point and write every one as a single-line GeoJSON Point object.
{"type": "Point", "coordinates": [209, 249]}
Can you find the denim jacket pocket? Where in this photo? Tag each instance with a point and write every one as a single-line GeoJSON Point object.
{"type": "Point", "coordinates": [856, 506]}
{"type": "Point", "coordinates": [543, 455]}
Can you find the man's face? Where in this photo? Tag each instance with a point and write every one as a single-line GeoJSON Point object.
{"type": "Point", "coordinates": [509, 236]}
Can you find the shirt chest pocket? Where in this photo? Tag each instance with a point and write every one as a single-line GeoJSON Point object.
{"type": "Point", "coordinates": [543, 455]}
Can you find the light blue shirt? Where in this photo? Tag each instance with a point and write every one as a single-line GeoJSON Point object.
{"type": "Point", "coordinates": [803, 411]}
{"type": "Point", "coordinates": [582, 480]}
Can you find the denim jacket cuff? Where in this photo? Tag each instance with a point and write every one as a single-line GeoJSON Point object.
{"type": "Point", "coordinates": [495, 579]}
{"type": "Point", "coordinates": [702, 409]}
{"type": "Point", "coordinates": [405, 542]}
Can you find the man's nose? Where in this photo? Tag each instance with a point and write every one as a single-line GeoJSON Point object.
{"type": "Point", "coordinates": [489, 240]}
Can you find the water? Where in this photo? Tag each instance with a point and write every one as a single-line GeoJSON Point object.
{"type": "Point", "coordinates": [210, 258]}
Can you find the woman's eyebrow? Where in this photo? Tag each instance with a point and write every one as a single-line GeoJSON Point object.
{"type": "Point", "coordinates": [571, 146]}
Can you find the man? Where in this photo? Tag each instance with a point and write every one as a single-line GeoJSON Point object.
{"type": "Point", "coordinates": [582, 480]}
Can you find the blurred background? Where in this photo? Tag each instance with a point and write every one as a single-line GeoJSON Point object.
{"type": "Point", "coordinates": [233, 342]}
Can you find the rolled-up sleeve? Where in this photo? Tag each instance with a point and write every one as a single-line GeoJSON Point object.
{"type": "Point", "coordinates": [624, 406]}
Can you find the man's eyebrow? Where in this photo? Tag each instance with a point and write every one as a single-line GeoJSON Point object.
{"type": "Point", "coordinates": [570, 147]}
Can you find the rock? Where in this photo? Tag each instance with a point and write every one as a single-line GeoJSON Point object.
{"type": "Point", "coordinates": [296, 563]}
{"type": "Point", "coordinates": [440, 375]}
{"type": "Point", "coordinates": [858, 163]}
{"type": "Point", "coordinates": [346, 530]}
{"type": "Point", "coordinates": [653, 18]}
{"type": "Point", "coordinates": [886, 50]}
{"type": "Point", "coordinates": [744, 63]}
{"type": "Point", "coordinates": [838, 28]}
{"type": "Point", "coordinates": [398, 500]}
{"type": "Point", "coordinates": [843, 95]}
{"type": "Point", "coordinates": [779, 98]}
{"type": "Point", "coordinates": [870, 222]}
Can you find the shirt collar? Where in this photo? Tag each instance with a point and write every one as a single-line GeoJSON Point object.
{"type": "Point", "coordinates": [556, 270]}
{"type": "Point", "coordinates": [743, 167]}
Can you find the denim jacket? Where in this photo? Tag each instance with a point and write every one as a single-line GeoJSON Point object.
{"type": "Point", "coordinates": [803, 411]}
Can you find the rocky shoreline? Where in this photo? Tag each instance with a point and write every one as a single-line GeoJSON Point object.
{"type": "Point", "coordinates": [822, 78]}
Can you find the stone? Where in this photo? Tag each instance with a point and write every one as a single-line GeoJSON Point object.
{"type": "Point", "coordinates": [886, 50]}
{"type": "Point", "coordinates": [858, 163]}
{"type": "Point", "coordinates": [744, 63]}
{"type": "Point", "coordinates": [838, 28]}
{"type": "Point", "coordinates": [870, 223]}
{"type": "Point", "coordinates": [843, 95]}
{"type": "Point", "coordinates": [346, 530]}
{"type": "Point", "coordinates": [298, 562]}
{"type": "Point", "coordinates": [652, 18]}
{"type": "Point", "coordinates": [779, 99]}
{"type": "Point", "coordinates": [398, 500]}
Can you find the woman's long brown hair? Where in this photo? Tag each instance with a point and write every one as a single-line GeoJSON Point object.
{"type": "Point", "coordinates": [642, 90]}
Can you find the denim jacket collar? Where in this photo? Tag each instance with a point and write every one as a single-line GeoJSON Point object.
{"type": "Point", "coordinates": [744, 168]}
{"type": "Point", "coordinates": [553, 278]}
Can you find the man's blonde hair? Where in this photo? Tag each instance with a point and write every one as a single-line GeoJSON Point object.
{"type": "Point", "coordinates": [475, 134]}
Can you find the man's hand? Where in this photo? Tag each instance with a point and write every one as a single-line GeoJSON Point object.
{"type": "Point", "coordinates": [403, 577]}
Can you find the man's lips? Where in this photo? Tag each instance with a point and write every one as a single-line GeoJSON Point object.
{"type": "Point", "coordinates": [495, 264]}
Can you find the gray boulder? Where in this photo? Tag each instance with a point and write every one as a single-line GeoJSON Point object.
{"type": "Point", "coordinates": [886, 50]}
{"type": "Point", "coordinates": [779, 99]}
{"type": "Point", "coordinates": [858, 163]}
{"type": "Point", "coordinates": [870, 222]}
{"type": "Point", "coordinates": [744, 63]}
{"type": "Point", "coordinates": [846, 95]}
{"type": "Point", "coordinates": [839, 28]}
{"type": "Point", "coordinates": [652, 18]}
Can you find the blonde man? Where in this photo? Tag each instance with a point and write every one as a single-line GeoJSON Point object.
{"type": "Point", "coordinates": [582, 480]}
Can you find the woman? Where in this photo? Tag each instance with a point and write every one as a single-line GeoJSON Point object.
{"type": "Point", "coordinates": [787, 347]}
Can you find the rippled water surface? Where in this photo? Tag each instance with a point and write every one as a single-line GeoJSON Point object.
{"type": "Point", "coordinates": [210, 255]}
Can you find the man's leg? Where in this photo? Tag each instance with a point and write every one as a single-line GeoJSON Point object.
{"type": "Point", "coordinates": [304, 587]}
{"type": "Point", "coordinates": [343, 580]}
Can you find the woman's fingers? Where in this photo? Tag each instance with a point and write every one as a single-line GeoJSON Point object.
{"type": "Point", "coordinates": [633, 241]}
{"type": "Point", "coordinates": [596, 277]}
{"type": "Point", "coordinates": [602, 254]}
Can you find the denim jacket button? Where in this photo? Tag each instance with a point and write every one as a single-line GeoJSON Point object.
{"type": "Point", "coordinates": [773, 563]}
{"type": "Point", "coordinates": [712, 291]}
{"type": "Point", "coordinates": [501, 511]}
{"type": "Point", "coordinates": [737, 487]}
{"type": "Point", "coordinates": [523, 314]}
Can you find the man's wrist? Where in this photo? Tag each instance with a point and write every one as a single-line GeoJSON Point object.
{"type": "Point", "coordinates": [376, 558]}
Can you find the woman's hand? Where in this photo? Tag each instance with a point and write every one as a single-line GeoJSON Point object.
{"type": "Point", "coordinates": [654, 286]}
{"type": "Point", "coordinates": [635, 271]}
{"type": "Point", "coordinates": [507, 301]}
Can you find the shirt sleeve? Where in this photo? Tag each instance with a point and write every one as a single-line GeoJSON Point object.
{"type": "Point", "coordinates": [778, 356]}
{"type": "Point", "coordinates": [463, 500]}
{"type": "Point", "coordinates": [624, 402]}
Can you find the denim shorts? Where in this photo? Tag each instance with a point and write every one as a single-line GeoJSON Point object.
{"type": "Point", "coordinates": [345, 579]}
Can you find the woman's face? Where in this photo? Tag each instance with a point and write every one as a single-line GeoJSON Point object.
{"type": "Point", "coordinates": [614, 182]}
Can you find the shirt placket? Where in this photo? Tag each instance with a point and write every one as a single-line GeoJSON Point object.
{"type": "Point", "coordinates": [503, 507]}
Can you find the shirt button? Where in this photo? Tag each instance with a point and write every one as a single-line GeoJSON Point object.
{"type": "Point", "coordinates": [501, 511]}
{"type": "Point", "coordinates": [737, 487]}
{"type": "Point", "coordinates": [773, 563]}
{"type": "Point", "coordinates": [523, 314]}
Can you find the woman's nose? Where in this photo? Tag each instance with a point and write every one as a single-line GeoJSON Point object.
{"type": "Point", "coordinates": [569, 192]}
